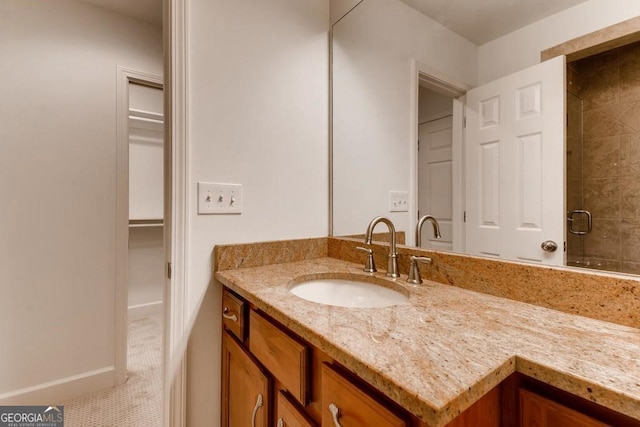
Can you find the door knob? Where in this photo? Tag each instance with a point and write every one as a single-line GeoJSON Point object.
{"type": "Point", "coordinates": [549, 246]}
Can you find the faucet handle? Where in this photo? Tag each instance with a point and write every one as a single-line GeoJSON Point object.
{"type": "Point", "coordinates": [370, 265]}
{"type": "Point", "coordinates": [414, 269]}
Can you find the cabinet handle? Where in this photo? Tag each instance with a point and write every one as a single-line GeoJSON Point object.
{"type": "Point", "coordinates": [229, 316]}
{"type": "Point", "coordinates": [335, 413]}
{"type": "Point", "coordinates": [259, 403]}
{"type": "Point", "coordinates": [280, 422]}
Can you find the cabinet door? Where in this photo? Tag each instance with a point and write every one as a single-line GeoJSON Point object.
{"type": "Point", "coordinates": [285, 357]}
{"type": "Point", "coordinates": [245, 387]}
{"type": "Point", "coordinates": [537, 411]}
{"type": "Point", "coordinates": [345, 405]}
{"type": "Point", "coordinates": [288, 414]}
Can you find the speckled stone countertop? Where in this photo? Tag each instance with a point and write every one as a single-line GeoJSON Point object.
{"type": "Point", "coordinates": [448, 346]}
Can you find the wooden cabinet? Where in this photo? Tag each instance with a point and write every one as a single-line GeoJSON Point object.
{"type": "Point", "coordinates": [246, 388]}
{"type": "Point", "coordinates": [346, 405]}
{"type": "Point", "coordinates": [486, 412]}
{"type": "Point", "coordinates": [289, 414]}
{"type": "Point", "coordinates": [287, 358]}
{"type": "Point", "coordinates": [537, 411]}
{"type": "Point", "coordinates": [266, 367]}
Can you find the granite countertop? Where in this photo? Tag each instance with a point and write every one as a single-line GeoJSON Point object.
{"type": "Point", "coordinates": [448, 346]}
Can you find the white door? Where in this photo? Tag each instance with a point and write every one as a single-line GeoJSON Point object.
{"type": "Point", "coordinates": [515, 153]}
{"type": "Point", "coordinates": [435, 184]}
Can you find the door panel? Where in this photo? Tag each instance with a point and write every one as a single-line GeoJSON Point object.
{"type": "Point", "coordinates": [435, 180]}
{"type": "Point", "coordinates": [515, 154]}
{"type": "Point", "coordinates": [245, 387]}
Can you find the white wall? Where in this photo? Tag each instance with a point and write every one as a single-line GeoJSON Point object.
{"type": "Point", "coordinates": [374, 52]}
{"type": "Point", "coordinates": [58, 194]}
{"type": "Point", "coordinates": [146, 271]}
{"type": "Point", "coordinates": [432, 105]}
{"type": "Point", "coordinates": [339, 8]}
{"type": "Point", "coordinates": [521, 49]}
{"type": "Point", "coordinates": [258, 116]}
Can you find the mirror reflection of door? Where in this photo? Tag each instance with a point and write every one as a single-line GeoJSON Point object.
{"type": "Point", "coordinates": [515, 166]}
{"type": "Point", "coordinates": [435, 156]}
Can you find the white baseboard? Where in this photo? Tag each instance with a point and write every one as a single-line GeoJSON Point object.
{"type": "Point", "coordinates": [144, 310]}
{"type": "Point", "coordinates": [62, 390]}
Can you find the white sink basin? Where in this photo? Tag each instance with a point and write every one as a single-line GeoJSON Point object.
{"type": "Point", "coordinates": [349, 293]}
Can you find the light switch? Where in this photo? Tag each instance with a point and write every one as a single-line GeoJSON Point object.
{"type": "Point", "coordinates": [398, 201]}
{"type": "Point", "coordinates": [216, 198]}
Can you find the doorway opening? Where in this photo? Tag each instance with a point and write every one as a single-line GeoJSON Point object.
{"type": "Point", "coordinates": [439, 155]}
{"type": "Point", "coordinates": [435, 162]}
{"type": "Point", "coordinates": [141, 189]}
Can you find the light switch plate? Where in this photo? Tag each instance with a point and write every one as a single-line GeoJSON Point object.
{"type": "Point", "coordinates": [398, 201]}
{"type": "Point", "coordinates": [217, 198]}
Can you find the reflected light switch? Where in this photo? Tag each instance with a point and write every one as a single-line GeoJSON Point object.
{"type": "Point", "coordinates": [398, 201]}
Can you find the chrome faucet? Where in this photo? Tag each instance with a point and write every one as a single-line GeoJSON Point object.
{"type": "Point", "coordinates": [370, 264]}
{"type": "Point", "coordinates": [392, 263]}
{"type": "Point", "coordinates": [414, 270]}
{"type": "Point", "coordinates": [436, 229]}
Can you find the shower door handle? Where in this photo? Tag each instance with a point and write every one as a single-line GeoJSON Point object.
{"type": "Point", "coordinates": [571, 219]}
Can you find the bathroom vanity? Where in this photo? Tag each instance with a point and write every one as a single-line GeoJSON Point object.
{"type": "Point", "coordinates": [448, 357]}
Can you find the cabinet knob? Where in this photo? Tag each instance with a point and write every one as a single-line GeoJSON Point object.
{"type": "Point", "coordinates": [335, 413]}
{"type": "Point", "coordinates": [226, 315]}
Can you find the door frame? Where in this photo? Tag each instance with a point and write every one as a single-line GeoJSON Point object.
{"type": "Point", "coordinates": [175, 42]}
{"type": "Point", "coordinates": [176, 218]}
{"type": "Point", "coordinates": [125, 76]}
{"type": "Point", "coordinates": [424, 75]}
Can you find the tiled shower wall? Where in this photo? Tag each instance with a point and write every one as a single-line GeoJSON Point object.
{"type": "Point", "coordinates": [609, 86]}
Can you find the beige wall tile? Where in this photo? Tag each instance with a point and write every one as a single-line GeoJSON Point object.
{"type": "Point", "coordinates": [629, 53]}
{"type": "Point", "coordinates": [630, 193]}
{"type": "Point", "coordinates": [630, 267]}
{"type": "Point", "coordinates": [604, 240]}
{"type": "Point", "coordinates": [601, 157]}
{"type": "Point", "coordinates": [596, 62]}
{"type": "Point", "coordinates": [630, 240]}
{"type": "Point", "coordinates": [629, 116]}
{"type": "Point", "coordinates": [602, 197]}
{"type": "Point", "coordinates": [575, 246]}
{"type": "Point", "coordinates": [600, 87]}
{"type": "Point", "coordinates": [603, 123]}
{"type": "Point", "coordinates": [630, 79]}
{"type": "Point", "coordinates": [630, 154]}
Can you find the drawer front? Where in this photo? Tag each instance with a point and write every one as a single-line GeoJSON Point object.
{"type": "Point", "coordinates": [288, 414]}
{"type": "Point", "coordinates": [285, 357]}
{"type": "Point", "coordinates": [233, 317]}
{"type": "Point", "coordinates": [345, 404]}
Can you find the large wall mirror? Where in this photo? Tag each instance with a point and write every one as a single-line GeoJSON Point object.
{"type": "Point", "coordinates": [401, 86]}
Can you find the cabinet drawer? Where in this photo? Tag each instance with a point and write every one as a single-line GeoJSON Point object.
{"type": "Point", "coordinates": [285, 357]}
{"type": "Point", "coordinates": [355, 407]}
{"type": "Point", "coordinates": [233, 317]}
{"type": "Point", "coordinates": [288, 414]}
